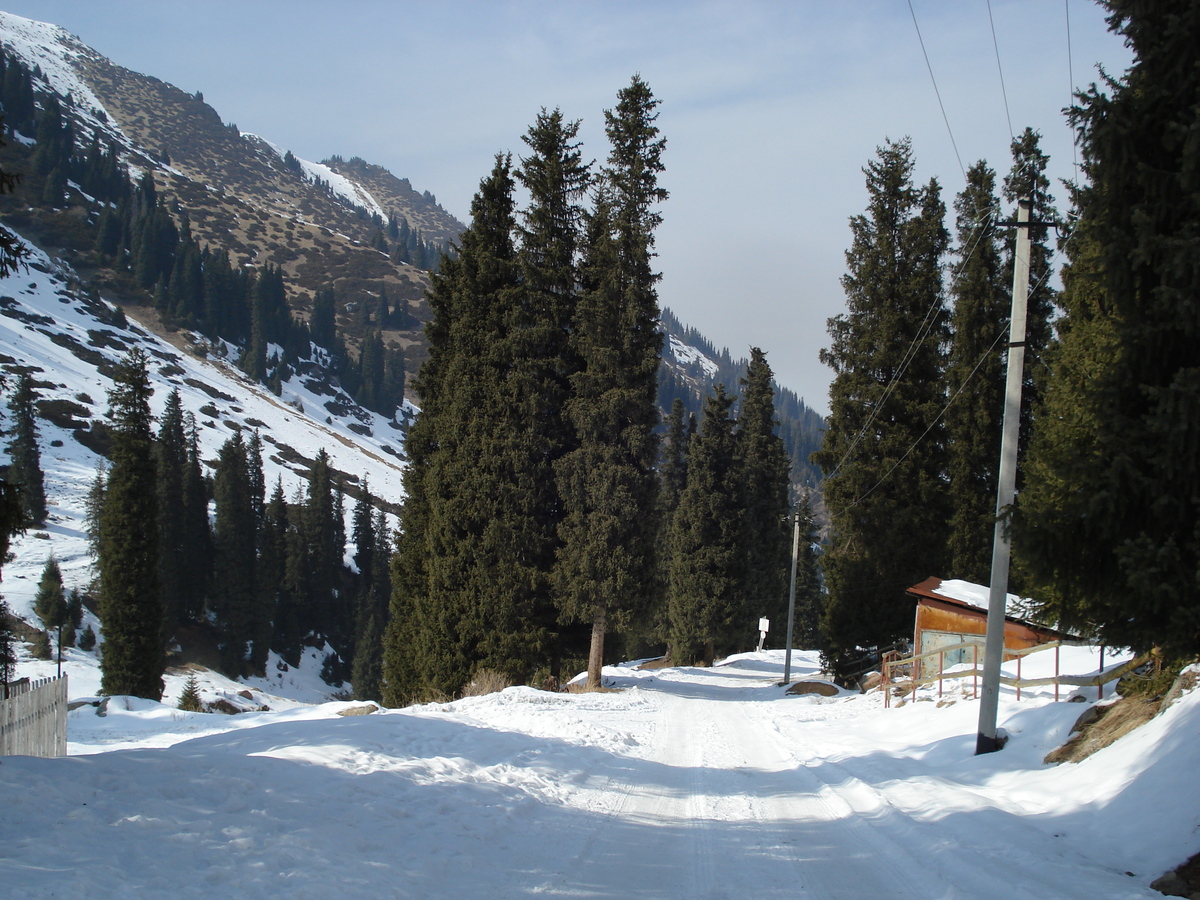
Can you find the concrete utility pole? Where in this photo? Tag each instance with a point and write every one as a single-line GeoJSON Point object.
{"type": "Point", "coordinates": [993, 651]}
{"type": "Point", "coordinates": [787, 656]}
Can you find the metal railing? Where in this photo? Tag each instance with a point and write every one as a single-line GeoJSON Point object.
{"type": "Point", "coordinates": [33, 719]}
{"type": "Point", "coordinates": [893, 665]}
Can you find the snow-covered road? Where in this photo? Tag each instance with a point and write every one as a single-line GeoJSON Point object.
{"type": "Point", "coordinates": [686, 783]}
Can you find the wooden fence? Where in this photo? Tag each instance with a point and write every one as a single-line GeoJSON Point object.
{"type": "Point", "coordinates": [911, 665]}
{"type": "Point", "coordinates": [33, 720]}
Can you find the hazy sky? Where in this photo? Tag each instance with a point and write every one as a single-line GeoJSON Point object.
{"type": "Point", "coordinates": [770, 109]}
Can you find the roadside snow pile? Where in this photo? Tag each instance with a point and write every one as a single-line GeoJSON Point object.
{"type": "Point", "coordinates": [683, 783]}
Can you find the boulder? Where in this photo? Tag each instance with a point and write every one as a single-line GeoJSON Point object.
{"type": "Point", "coordinates": [824, 688]}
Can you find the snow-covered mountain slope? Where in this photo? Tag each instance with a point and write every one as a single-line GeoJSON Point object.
{"type": "Point", "coordinates": [685, 783]}
{"type": "Point", "coordinates": [336, 224]}
{"type": "Point", "coordinates": [68, 342]}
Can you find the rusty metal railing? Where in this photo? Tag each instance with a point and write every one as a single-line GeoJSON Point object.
{"type": "Point", "coordinates": [890, 666]}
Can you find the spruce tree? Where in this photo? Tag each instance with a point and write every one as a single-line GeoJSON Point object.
{"type": "Point", "coordinates": [322, 532]}
{"type": "Point", "coordinates": [458, 547]}
{"type": "Point", "coordinates": [25, 465]}
{"type": "Point", "coordinates": [197, 563]}
{"type": "Point", "coordinates": [189, 700]}
{"type": "Point", "coordinates": [50, 603]}
{"type": "Point", "coordinates": [1027, 178]}
{"type": "Point", "coordinates": [765, 476]}
{"type": "Point", "coordinates": [234, 597]}
{"type": "Point", "coordinates": [130, 606]}
{"type": "Point", "coordinates": [706, 563]}
{"type": "Point", "coordinates": [1109, 523]}
{"type": "Point", "coordinates": [172, 455]}
{"type": "Point", "coordinates": [8, 651]}
{"type": "Point", "coordinates": [74, 617]}
{"type": "Point", "coordinates": [975, 376]}
{"type": "Point", "coordinates": [607, 560]}
{"type": "Point", "coordinates": [322, 325]}
{"type": "Point", "coordinates": [883, 452]}
{"type": "Point", "coordinates": [276, 582]}
{"type": "Point", "coordinates": [672, 469]}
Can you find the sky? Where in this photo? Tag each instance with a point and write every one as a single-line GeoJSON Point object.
{"type": "Point", "coordinates": [771, 109]}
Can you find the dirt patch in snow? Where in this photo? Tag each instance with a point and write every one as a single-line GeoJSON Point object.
{"type": "Point", "coordinates": [1100, 726]}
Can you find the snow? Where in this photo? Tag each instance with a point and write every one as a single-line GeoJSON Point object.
{"type": "Point", "coordinates": [686, 354]}
{"type": "Point", "coordinates": [42, 313]}
{"type": "Point", "coordinates": [977, 595]}
{"type": "Point", "coordinates": [679, 783]}
{"type": "Point", "coordinates": [53, 48]}
{"type": "Point", "coordinates": [350, 190]}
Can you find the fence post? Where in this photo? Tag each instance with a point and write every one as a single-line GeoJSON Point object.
{"type": "Point", "coordinates": [1057, 647]}
{"type": "Point", "coordinates": [975, 670]}
{"type": "Point", "coordinates": [1019, 658]}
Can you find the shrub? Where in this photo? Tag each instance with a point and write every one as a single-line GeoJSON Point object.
{"type": "Point", "coordinates": [486, 681]}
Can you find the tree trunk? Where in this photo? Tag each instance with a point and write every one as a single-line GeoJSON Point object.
{"type": "Point", "coordinates": [596, 653]}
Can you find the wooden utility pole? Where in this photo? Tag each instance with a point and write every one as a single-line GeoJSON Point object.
{"type": "Point", "coordinates": [993, 651]}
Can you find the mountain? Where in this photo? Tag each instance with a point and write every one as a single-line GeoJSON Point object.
{"type": "Point", "coordinates": [348, 225]}
{"type": "Point", "coordinates": [692, 365]}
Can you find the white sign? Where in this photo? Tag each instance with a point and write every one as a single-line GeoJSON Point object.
{"type": "Point", "coordinates": [764, 624]}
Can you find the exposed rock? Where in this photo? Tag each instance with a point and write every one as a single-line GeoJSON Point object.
{"type": "Point", "coordinates": [1101, 725]}
{"type": "Point", "coordinates": [364, 710]}
{"type": "Point", "coordinates": [824, 688]}
{"type": "Point", "coordinates": [1171, 884]}
{"type": "Point", "coordinates": [1186, 681]}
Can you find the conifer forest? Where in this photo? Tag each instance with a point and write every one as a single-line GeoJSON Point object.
{"type": "Point", "coordinates": [568, 499]}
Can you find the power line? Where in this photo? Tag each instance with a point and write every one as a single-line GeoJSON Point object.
{"type": "Point", "coordinates": [945, 409]}
{"type": "Point", "coordinates": [945, 118]}
{"type": "Point", "coordinates": [1000, 69]}
{"type": "Point", "coordinates": [1071, 92]}
{"type": "Point", "coordinates": [910, 352]}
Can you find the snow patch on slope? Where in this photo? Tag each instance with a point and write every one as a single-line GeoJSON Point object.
{"type": "Point", "coordinates": [686, 354]}
{"type": "Point", "coordinates": [52, 49]}
{"type": "Point", "coordinates": [349, 190]}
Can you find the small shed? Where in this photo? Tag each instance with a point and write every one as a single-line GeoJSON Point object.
{"type": "Point", "coordinates": [951, 611]}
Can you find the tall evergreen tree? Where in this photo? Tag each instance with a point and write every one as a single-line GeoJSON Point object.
{"type": "Point", "coordinates": [275, 582]}
{"type": "Point", "coordinates": [883, 451]}
{"type": "Point", "coordinates": [196, 536]}
{"type": "Point", "coordinates": [325, 607]}
{"type": "Point", "coordinates": [607, 560]}
{"type": "Point", "coordinates": [706, 563]}
{"type": "Point", "coordinates": [172, 456]}
{"type": "Point", "coordinates": [25, 465]}
{"type": "Point", "coordinates": [234, 598]}
{"type": "Point", "coordinates": [132, 661]}
{"type": "Point", "coordinates": [1109, 523]}
{"type": "Point", "coordinates": [765, 476]}
{"type": "Point", "coordinates": [471, 547]}
{"type": "Point", "coordinates": [1027, 178]}
{"type": "Point", "coordinates": [975, 376]}
{"type": "Point", "coordinates": [672, 468]}
{"type": "Point", "coordinates": [323, 325]}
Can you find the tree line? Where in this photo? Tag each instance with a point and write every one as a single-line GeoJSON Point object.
{"type": "Point", "coordinates": [265, 574]}
{"type": "Point", "coordinates": [541, 512]}
{"type": "Point", "coordinates": [1104, 527]}
{"type": "Point", "coordinates": [149, 246]}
